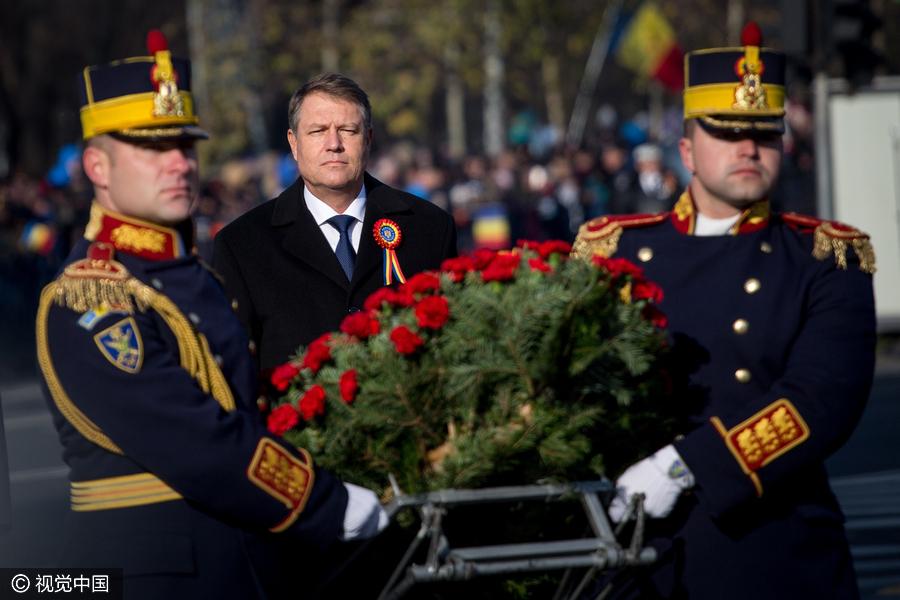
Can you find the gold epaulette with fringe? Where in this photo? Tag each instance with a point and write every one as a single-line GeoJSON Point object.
{"type": "Point", "coordinates": [831, 238]}
{"type": "Point", "coordinates": [99, 282]}
{"type": "Point", "coordinates": [601, 236]}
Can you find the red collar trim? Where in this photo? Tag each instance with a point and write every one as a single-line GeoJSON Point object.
{"type": "Point", "coordinates": [133, 236]}
{"type": "Point", "coordinates": [754, 218]}
{"type": "Point", "coordinates": [684, 216]}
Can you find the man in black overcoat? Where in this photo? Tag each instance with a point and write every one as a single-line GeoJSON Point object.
{"type": "Point", "coordinates": [292, 273]}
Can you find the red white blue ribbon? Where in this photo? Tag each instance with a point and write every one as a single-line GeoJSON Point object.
{"type": "Point", "coordinates": [388, 236]}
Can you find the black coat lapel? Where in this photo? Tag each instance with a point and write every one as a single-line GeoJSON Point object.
{"type": "Point", "coordinates": [304, 240]}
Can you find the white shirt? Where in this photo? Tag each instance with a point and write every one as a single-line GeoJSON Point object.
{"type": "Point", "coordinates": [705, 226]}
{"type": "Point", "coordinates": [321, 212]}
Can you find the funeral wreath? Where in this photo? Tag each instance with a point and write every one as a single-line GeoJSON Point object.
{"type": "Point", "coordinates": [502, 368]}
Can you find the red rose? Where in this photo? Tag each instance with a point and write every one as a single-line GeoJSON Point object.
{"type": "Point", "coordinates": [432, 311]}
{"type": "Point", "coordinates": [313, 402]}
{"type": "Point", "coordinates": [317, 353]}
{"type": "Point", "coordinates": [537, 264]}
{"type": "Point", "coordinates": [282, 418]}
{"type": "Point", "coordinates": [405, 299]}
{"type": "Point", "coordinates": [502, 268]}
{"type": "Point", "coordinates": [483, 258]}
{"type": "Point", "coordinates": [624, 266]}
{"type": "Point", "coordinates": [281, 376]}
{"type": "Point", "coordinates": [379, 297]}
{"type": "Point", "coordinates": [547, 248]}
{"type": "Point", "coordinates": [618, 266]}
{"type": "Point", "coordinates": [458, 267]}
{"type": "Point", "coordinates": [554, 247]}
{"type": "Point", "coordinates": [421, 283]}
{"type": "Point", "coordinates": [360, 324]}
{"type": "Point", "coordinates": [497, 273]}
{"type": "Point", "coordinates": [405, 340]}
{"type": "Point", "coordinates": [655, 316]}
{"type": "Point", "coordinates": [641, 289]}
{"type": "Point", "coordinates": [348, 386]}
{"type": "Point", "coordinates": [509, 259]}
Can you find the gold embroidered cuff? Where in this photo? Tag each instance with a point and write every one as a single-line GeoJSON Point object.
{"type": "Point", "coordinates": [765, 436]}
{"type": "Point", "coordinates": [283, 476]}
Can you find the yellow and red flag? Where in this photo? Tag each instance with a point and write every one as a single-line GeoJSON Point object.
{"type": "Point", "coordinates": [645, 42]}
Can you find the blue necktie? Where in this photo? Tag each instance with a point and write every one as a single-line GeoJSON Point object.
{"type": "Point", "coordinates": [344, 251]}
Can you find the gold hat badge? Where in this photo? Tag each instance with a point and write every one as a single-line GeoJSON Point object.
{"type": "Point", "coordinates": [167, 101]}
{"type": "Point", "coordinates": [750, 94]}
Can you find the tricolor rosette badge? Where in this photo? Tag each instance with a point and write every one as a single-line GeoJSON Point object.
{"type": "Point", "coordinates": [388, 236]}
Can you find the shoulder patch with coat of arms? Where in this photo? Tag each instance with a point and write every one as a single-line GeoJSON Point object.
{"type": "Point", "coordinates": [121, 344]}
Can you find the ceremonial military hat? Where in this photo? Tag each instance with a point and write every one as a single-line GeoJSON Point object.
{"type": "Point", "coordinates": [140, 98]}
{"type": "Point", "coordinates": [736, 89]}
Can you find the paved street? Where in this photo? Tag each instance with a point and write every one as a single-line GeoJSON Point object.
{"type": "Point", "coordinates": [871, 503]}
{"type": "Point", "coordinates": [865, 476]}
{"type": "Point", "coordinates": [37, 479]}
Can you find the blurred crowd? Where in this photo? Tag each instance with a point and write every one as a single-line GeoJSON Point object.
{"type": "Point", "coordinates": [537, 189]}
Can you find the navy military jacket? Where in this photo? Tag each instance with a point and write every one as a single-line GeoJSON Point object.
{"type": "Point", "coordinates": [181, 487]}
{"type": "Point", "coordinates": [773, 337]}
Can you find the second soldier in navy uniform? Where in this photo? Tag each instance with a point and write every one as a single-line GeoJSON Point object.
{"type": "Point", "coordinates": [772, 322]}
{"type": "Point", "coordinates": [150, 380]}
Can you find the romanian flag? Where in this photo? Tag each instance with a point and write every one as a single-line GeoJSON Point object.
{"type": "Point", "coordinates": [644, 42]}
{"type": "Point", "coordinates": [490, 227]}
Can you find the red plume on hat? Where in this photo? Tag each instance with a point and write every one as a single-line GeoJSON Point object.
{"type": "Point", "coordinates": [752, 35]}
{"type": "Point", "coordinates": [156, 42]}
{"type": "Point", "coordinates": [158, 47]}
{"type": "Point", "coordinates": [751, 40]}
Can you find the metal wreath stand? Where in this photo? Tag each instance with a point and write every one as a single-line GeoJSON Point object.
{"type": "Point", "coordinates": [443, 563]}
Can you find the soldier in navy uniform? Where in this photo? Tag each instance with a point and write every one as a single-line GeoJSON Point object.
{"type": "Point", "coordinates": [150, 380]}
{"type": "Point", "coordinates": [772, 323]}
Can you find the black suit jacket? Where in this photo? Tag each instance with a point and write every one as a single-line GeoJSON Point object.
{"type": "Point", "coordinates": [287, 281]}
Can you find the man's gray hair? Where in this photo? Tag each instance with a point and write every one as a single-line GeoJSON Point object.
{"type": "Point", "coordinates": [336, 86]}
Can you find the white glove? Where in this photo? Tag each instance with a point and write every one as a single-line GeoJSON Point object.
{"type": "Point", "coordinates": [365, 517]}
{"type": "Point", "coordinates": [660, 477]}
